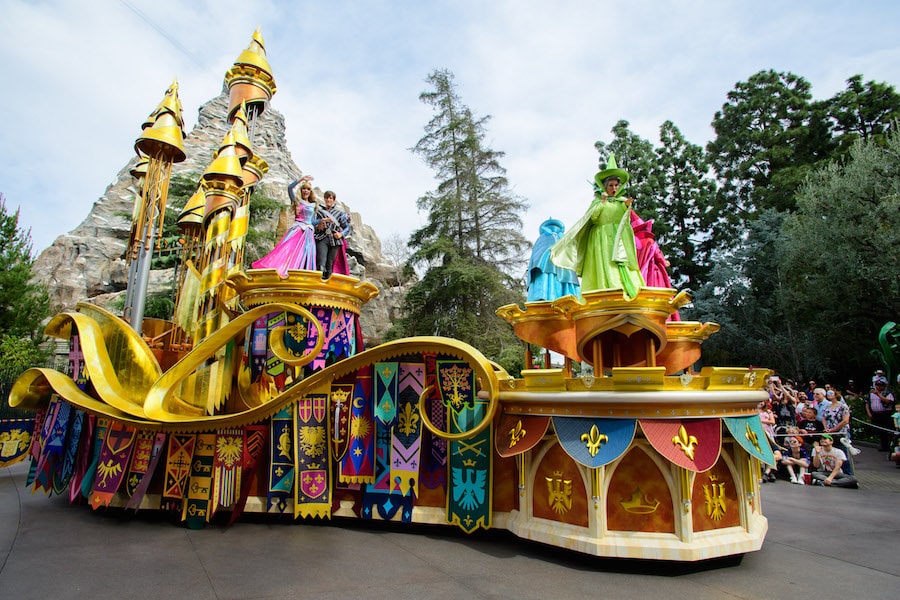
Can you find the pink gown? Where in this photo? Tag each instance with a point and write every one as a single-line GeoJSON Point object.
{"type": "Point", "coordinates": [297, 249]}
{"type": "Point", "coordinates": [651, 260]}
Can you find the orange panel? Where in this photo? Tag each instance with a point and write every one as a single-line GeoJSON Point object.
{"type": "Point", "coordinates": [505, 474]}
{"type": "Point", "coordinates": [638, 498]}
{"type": "Point", "coordinates": [715, 502]}
{"type": "Point", "coordinates": [558, 492]}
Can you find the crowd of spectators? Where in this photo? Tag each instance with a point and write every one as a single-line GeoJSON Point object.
{"type": "Point", "coordinates": [809, 429]}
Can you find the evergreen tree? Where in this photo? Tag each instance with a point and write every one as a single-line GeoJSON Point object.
{"type": "Point", "coordinates": [23, 303]}
{"type": "Point", "coordinates": [687, 210]}
{"type": "Point", "coordinates": [472, 243]}
{"type": "Point", "coordinates": [472, 212]}
{"type": "Point", "coordinates": [635, 155]}
{"type": "Point", "coordinates": [863, 112]}
{"type": "Point", "coordinates": [764, 144]}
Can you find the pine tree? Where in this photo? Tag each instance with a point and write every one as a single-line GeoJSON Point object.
{"type": "Point", "coordinates": [685, 206]}
{"type": "Point", "coordinates": [23, 303]}
{"type": "Point", "coordinates": [472, 244]}
{"type": "Point", "coordinates": [472, 211]}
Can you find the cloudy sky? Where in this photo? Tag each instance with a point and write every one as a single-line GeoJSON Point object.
{"type": "Point", "coordinates": [555, 76]}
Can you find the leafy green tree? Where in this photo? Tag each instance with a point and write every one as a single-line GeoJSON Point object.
{"type": "Point", "coordinates": [23, 302]}
{"type": "Point", "coordinates": [472, 242]}
{"type": "Point", "coordinates": [842, 256]}
{"type": "Point", "coordinates": [746, 296]}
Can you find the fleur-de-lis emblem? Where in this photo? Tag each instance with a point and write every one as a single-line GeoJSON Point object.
{"type": "Point", "coordinates": [751, 437]}
{"type": "Point", "coordinates": [686, 442]}
{"type": "Point", "coordinates": [593, 440]}
{"type": "Point", "coordinates": [408, 420]}
{"type": "Point", "coordinates": [516, 433]}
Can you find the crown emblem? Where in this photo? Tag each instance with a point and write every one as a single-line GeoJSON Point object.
{"type": "Point", "coordinates": [469, 462]}
{"type": "Point", "coordinates": [339, 395]}
{"type": "Point", "coordinates": [639, 503]}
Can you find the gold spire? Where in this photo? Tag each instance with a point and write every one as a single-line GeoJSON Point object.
{"type": "Point", "coordinates": [222, 180]}
{"type": "Point", "coordinates": [192, 214]}
{"type": "Point", "coordinates": [164, 138]}
{"type": "Point", "coordinates": [226, 164]}
{"type": "Point", "coordinates": [250, 79]}
{"type": "Point", "coordinates": [170, 103]}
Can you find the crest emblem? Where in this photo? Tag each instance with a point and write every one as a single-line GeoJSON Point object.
{"type": "Point", "coordinates": [468, 486]}
{"type": "Point", "coordinates": [559, 492]}
{"type": "Point", "coordinates": [314, 482]}
{"type": "Point", "coordinates": [715, 499]}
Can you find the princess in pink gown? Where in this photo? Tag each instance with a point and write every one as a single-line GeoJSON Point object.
{"type": "Point", "coordinates": [297, 249]}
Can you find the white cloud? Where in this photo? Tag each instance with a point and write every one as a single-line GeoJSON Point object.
{"type": "Point", "coordinates": [81, 77]}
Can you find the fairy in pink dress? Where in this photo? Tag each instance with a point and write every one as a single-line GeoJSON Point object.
{"type": "Point", "coordinates": [297, 249]}
{"type": "Point", "coordinates": [652, 262]}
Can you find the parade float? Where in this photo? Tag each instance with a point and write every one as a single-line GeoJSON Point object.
{"type": "Point", "coordinates": [258, 396]}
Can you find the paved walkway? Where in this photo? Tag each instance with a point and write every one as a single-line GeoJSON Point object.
{"type": "Point", "coordinates": [822, 543]}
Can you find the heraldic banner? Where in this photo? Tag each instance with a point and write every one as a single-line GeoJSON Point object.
{"type": "Point", "coordinates": [692, 444]}
{"type": "Point", "coordinates": [178, 464]}
{"type": "Point", "coordinates": [143, 466]}
{"type": "Point", "coordinates": [113, 463]}
{"type": "Point", "coordinates": [358, 465]}
{"type": "Point", "coordinates": [312, 491]}
{"type": "Point", "coordinates": [62, 476]}
{"type": "Point", "coordinates": [227, 480]}
{"type": "Point", "coordinates": [377, 495]}
{"type": "Point", "coordinates": [406, 442]}
{"type": "Point", "coordinates": [195, 512]}
{"type": "Point", "coordinates": [749, 433]}
{"type": "Point", "coordinates": [469, 493]}
{"type": "Point", "coordinates": [281, 465]}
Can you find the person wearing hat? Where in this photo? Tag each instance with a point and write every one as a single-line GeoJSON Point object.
{"type": "Point", "coordinates": [546, 281]}
{"type": "Point", "coordinates": [600, 247]}
{"type": "Point", "coordinates": [827, 461]}
{"type": "Point", "coordinates": [879, 408]}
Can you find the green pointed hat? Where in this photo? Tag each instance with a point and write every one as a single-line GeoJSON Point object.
{"type": "Point", "coordinates": [612, 170]}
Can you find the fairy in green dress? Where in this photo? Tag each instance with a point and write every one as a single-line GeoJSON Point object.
{"type": "Point", "coordinates": [600, 246]}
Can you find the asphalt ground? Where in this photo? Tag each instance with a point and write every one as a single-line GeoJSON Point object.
{"type": "Point", "coordinates": [822, 543]}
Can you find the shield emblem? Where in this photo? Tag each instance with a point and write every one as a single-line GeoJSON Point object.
{"type": "Point", "coordinates": [304, 410]}
{"type": "Point", "coordinates": [119, 437]}
{"type": "Point", "coordinates": [314, 483]}
{"type": "Point", "coordinates": [318, 407]}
